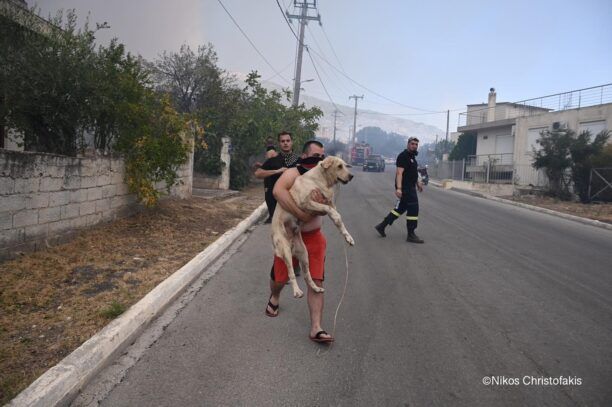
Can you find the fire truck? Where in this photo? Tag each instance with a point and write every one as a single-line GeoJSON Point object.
{"type": "Point", "coordinates": [360, 152]}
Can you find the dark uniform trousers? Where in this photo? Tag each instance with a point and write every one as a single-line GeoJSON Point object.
{"type": "Point", "coordinates": [408, 203]}
{"type": "Point", "coordinates": [270, 201]}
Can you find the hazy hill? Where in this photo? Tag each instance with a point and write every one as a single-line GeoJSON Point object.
{"type": "Point", "coordinates": [369, 118]}
{"type": "Point", "coordinates": [391, 124]}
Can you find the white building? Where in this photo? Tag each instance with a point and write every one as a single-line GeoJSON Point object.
{"type": "Point", "coordinates": [506, 133]}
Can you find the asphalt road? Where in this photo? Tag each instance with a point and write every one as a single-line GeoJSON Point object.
{"type": "Point", "coordinates": [496, 291]}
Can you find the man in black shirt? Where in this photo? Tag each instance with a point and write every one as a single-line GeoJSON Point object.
{"type": "Point", "coordinates": [406, 185]}
{"type": "Point", "coordinates": [272, 169]}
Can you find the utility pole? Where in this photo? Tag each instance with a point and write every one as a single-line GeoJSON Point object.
{"type": "Point", "coordinates": [436, 149]}
{"type": "Point", "coordinates": [447, 117]}
{"type": "Point", "coordinates": [354, 125]}
{"type": "Point", "coordinates": [335, 116]}
{"type": "Point", "coordinates": [303, 17]}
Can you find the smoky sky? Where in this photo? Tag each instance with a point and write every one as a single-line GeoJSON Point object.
{"type": "Point", "coordinates": [145, 27]}
{"type": "Point", "coordinates": [433, 55]}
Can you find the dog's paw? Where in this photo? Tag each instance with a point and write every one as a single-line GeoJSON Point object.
{"type": "Point", "coordinates": [297, 293]}
{"type": "Point", "coordinates": [349, 240]}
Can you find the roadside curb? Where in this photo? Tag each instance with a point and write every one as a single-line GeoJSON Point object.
{"type": "Point", "coordinates": [567, 216]}
{"type": "Point", "coordinates": [60, 384]}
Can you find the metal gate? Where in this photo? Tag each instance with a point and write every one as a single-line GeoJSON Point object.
{"type": "Point", "coordinates": [600, 181]}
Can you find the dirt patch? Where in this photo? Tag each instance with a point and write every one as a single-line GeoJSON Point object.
{"type": "Point", "coordinates": [597, 211]}
{"type": "Point", "coordinates": [52, 301]}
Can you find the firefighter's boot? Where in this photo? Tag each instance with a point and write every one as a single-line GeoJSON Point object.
{"type": "Point", "coordinates": [380, 228]}
{"type": "Point", "coordinates": [413, 238]}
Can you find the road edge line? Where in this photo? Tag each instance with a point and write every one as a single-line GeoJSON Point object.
{"type": "Point", "coordinates": [586, 221]}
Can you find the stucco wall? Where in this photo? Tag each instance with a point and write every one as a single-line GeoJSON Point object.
{"type": "Point", "coordinates": [45, 197]}
{"type": "Point", "coordinates": [571, 118]}
{"type": "Point", "coordinates": [488, 145]}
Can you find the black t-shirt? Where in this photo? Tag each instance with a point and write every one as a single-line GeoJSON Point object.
{"type": "Point", "coordinates": [408, 162]}
{"type": "Point", "coordinates": [276, 163]}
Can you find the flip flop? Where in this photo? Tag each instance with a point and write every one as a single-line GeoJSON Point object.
{"type": "Point", "coordinates": [273, 307]}
{"type": "Point", "coordinates": [317, 338]}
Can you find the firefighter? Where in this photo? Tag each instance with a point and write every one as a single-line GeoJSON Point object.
{"type": "Point", "coordinates": [406, 185]}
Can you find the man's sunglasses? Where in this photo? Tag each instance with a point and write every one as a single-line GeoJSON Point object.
{"type": "Point", "coordinates": [318, 155]}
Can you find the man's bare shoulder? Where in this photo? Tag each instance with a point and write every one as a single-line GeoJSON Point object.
{"type": "Point", "coordinates": [290, 174]}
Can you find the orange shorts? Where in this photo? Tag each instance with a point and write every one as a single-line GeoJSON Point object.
{"type": "Point", "coordinates": [316, 245]}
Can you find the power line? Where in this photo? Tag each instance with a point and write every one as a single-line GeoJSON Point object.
{"type": "Point", "coordinates": [331, 46]}
{"type": "Point", "coordinates": [286, 20]}
{"type": "Point", "coordinates": [351, 79]}
{"type": "Point", "coordinates": [276, 74]}
{"type": "Point", "coordinates": [310, 56]}
{"type": "Point", "coordinates": [376, 93]}
{"type": "Point", "coordinates": [320, 79]}
{"type": "Point", "coordinates": [356, 82]}
{"type": "Point", "coordinates": [251, 42]}
{"type": "Point", "coordinates": [303, 17]}
{"type": "Point", "coordinates": [337, 82]}
{"type": "Point", "coordinates": [403, 114]}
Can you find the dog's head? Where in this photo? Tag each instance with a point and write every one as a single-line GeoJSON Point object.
{"type": "Point", "coordinates": [335, 169]}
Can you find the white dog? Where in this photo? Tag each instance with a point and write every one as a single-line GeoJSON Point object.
{"type": "Point", "coordinates": [286, 236]}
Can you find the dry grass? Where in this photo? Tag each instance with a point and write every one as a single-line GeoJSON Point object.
{"type": "Point", "coordinates": [54, 300]}
{"type": "Point", "coordinates": [596, 211]}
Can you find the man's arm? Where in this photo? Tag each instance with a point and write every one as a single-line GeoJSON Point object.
{"type": "Point", "coordinates": [399, 174]}
{"type": "Point", "coordinates": [283, 197]}
{"type": "Point", "coordinates": [261, 173]}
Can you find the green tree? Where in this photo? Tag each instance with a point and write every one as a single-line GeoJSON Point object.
{"type": "Point", "coordinates": [153, 142]}
{"type": "Point", "coordinates": [466, 146]}
{"type": "Point", "coordinates": [192, 79]}
{"type": "Point", "coordinates": [583, 153]}
{"type": "Point", "coordinates": [56, 85]}
{"type": "Point", "coordinates": [442, 147]}
{"type": "Point", "coordinates": [47, 80]}
{"type": "Point", "coordinates": [248, 115]}
{"type": "Point", "coordinates": [554, 158]}
{"type": "Point", "coordinates": [262, 114]}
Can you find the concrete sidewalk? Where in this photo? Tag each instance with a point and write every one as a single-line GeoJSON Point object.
{"type": "Point", "coordinates": [574, 218]}
{"type": "Point", "coordinates": [212, 193]}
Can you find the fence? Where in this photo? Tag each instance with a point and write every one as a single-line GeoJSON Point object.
{"type": "Point", "coordinates": [575, 99]}
{"type": "Point", "coordinates": [600, 184]}
{"type": "Point", "coordinates": [489, 169]}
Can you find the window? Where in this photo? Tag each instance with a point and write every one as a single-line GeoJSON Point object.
{"type": "Point", "coordinates": [594, 127]}
{"type": "Point", "coordinates": [504, 144]}
{"type": "Point", "coordinates": [532, 136]}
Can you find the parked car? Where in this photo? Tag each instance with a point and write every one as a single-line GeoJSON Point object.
{"type": "Point", "coordinates": [374, 162]}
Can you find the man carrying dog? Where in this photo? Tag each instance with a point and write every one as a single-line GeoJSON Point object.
{"type": "Point", "coordinates": [406, 185]}
{"type": "Point", "coordinates": [273, 167]}
{"type": "Point", "coordinates": [314, 240]}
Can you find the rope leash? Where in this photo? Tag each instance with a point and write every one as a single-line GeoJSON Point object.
{"type": "Point", "coordinates": [343, 290]}
{"type": "Point", "coordinates": [341, 297]}
{"type": "Point", "coordinates": [339, 304]}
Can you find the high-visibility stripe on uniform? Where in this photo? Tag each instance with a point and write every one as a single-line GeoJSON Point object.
{"type": "Point", "coordinates": [412, 217]}
{"type": "Point", "coordinates": [393, 211]}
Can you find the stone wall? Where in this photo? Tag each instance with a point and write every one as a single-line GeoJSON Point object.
{"type": "Point", "coordinates": [205, 181]}
{"type": "Point", "coordinates": [45, 197]}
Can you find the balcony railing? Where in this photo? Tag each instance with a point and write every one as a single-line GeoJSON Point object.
{"type": "Point", "coordinates": [490, 159]}
{"type": "Point", "coordinates": [597, 95]}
